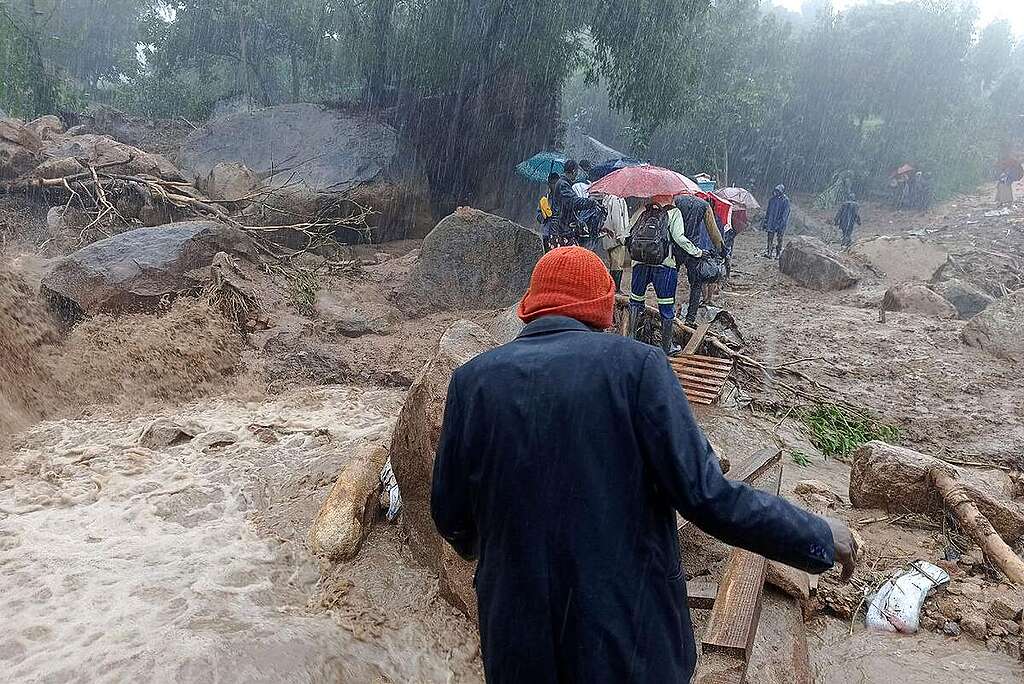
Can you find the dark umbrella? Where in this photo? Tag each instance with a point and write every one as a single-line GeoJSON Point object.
{"type": "Point", "coordinates": [604, 168]}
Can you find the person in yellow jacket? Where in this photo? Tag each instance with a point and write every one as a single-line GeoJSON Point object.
{"type": "Point", "coordinates": [546, 215]}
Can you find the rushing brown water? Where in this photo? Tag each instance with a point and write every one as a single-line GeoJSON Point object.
{"type": "Point", "coordinates": [869, 657]}
{"type": "Point", "coordinates": [185, 563]}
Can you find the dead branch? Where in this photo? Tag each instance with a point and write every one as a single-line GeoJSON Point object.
{"type": "Point", "coordinates": [956, 498]}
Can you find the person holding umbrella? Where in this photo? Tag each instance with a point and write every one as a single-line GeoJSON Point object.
{"type": "Point", "coordinates": [655, 235]}
{"type": "Point", "coordinates": [776, 218]}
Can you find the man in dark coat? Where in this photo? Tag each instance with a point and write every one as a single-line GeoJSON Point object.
{"type": "Point", "coordinates": [563, 201]}
{"type": "Point", "coordinates": [847, 217]}
{"type": "Point", "coordinates": [776, 219]}
{"type": "Point", "coordinates": [696, 215]}
{"type": "Point", "coordinates": [563, 458]}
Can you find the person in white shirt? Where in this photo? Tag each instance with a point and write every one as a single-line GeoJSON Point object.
{"type": "Point", "coordinates": [616, 230]}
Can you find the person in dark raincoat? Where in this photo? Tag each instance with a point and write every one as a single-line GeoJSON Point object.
{"type": "Point", "coordinates": [847, 217]}
{"type": "Point", "coordinates": [776, 219]}
{"type": "Point", "coordinates": [563, 200]}
{"type": "Point", "coordinates": [563, 458]}
{"type": "Point", "coordinates": [697, 214]}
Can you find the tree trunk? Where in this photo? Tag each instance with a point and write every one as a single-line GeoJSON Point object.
{"type": "Point", "coordinates": [243, 50]}
{"type": "Point", "coordinates": [295, 75]}
{"type": "Point", "coordinates": [975, 524]}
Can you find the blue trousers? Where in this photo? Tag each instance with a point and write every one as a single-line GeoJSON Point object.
{"type": "Point", "coordinates": [664, 280]}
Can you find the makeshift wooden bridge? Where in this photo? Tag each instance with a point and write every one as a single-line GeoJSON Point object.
{"type": "Point", "coordinates": [702, 377]}
{"type": "Point", "coordinates": [735, 600]}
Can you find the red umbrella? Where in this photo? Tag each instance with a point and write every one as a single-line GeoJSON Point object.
{"type": "Point", "coordinates": [644, 181]}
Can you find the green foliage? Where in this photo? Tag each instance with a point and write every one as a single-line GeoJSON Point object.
{"type": "Point", "coordinates": [726, 86]}
{"type": "Point", "coordinates": [27, 86]}
{"type": "Point", "coordinates": [801, 459]}
{"type": "Point", "coordinates": [837, 430]}
{"type": "Point", "coordinates": [303, 286]}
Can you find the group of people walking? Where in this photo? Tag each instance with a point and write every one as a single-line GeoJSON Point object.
{"type": "Point", "coordinates": [664, 235]}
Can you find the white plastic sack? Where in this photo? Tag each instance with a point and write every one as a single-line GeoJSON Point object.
{"type": "Point", "coordinates": [897, 605]}
{"type": "Point", "coordinates": [391, 497]}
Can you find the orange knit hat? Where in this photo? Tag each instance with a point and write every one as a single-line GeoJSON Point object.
{"type": "Point", "coordinates": [573, 282]}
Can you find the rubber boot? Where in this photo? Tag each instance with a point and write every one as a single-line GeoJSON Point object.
{"type": "Point", "coordinates": [667, 341]}
{"type": "Point", "coordinates": [617, 279]}
{"type": "Point", "coordinates": [768, 251]}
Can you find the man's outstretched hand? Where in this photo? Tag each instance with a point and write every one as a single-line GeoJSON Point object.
{"type": "Point", "coordinates": [846, 547]}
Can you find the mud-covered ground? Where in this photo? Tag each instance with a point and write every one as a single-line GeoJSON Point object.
{"type": "Point", "coordinates": [189, 561]}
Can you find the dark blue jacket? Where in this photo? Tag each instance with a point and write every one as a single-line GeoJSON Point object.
{"type": "Point", "coordinates": [776, 217]}
{"type": "Point", "coordinates": [563, 458]}
{"type": "Point", "coordinates": [694, 211]}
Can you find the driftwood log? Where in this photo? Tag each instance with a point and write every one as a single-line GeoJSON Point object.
{"type": "Point", "coordinates": [956, 498]}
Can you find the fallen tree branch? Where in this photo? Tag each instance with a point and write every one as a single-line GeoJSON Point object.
{"type": "Point", "coordinates": [956, 498]}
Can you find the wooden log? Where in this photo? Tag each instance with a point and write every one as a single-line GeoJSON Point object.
{"type": "Point", "coordinates": [956, 498]}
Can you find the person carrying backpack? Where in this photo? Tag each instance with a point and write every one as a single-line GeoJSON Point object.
{"type": "Point", "coordinates": [655, 235]}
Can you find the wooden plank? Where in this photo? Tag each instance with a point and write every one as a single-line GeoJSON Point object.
{"type": "Point", "coordinates": [699, 400]}
{"type": "Point", "coordinates": [701, 370]}
{"type": "Point", "coordinates": [708, 392]}
{"type": "Point", "coordinates": [701, 594]}
{"type": "Point", "coordinates": [715, 383]}
{"type": "Point", "coordinates": [708, 362]}
{"type": "Point", "coordinates": [700, 360]}
{"type": "Point", "coordinates": [688, 373]}
{"type": "Point", "coordinates": [733, 622]}
{"type": "Point", "coordinates": [750, 469]}
{"type": "Point", "coordinates": [701, 387]}
{"type": "Point", "coordinates": [696, 338]}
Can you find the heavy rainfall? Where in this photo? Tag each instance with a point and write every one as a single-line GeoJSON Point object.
{"type": "Point", "coordinates": [451, 341]}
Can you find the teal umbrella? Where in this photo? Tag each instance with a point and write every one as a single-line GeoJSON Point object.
{"type": "Point", "coordinates": [539, 166]}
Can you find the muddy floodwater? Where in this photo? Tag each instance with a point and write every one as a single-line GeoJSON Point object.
{"type": "Point", "coordinates": [872, 658]}
{"type": "Point", "coordinates": [185, 563]}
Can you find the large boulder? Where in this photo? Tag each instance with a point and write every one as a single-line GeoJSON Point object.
{"type": "Point", "coordinates": [20, 148]}
{"type": "Point", "coordinates": [901, 260]}
{"type": "Point", "coordinates": [507, 326]}
{"type": "Point", "coordinates": [917, 298]}
{"type": "Point", "coordinates": [312, 157]}
{"type": "Point", "coordinates": [472, 260]}
{"type": "Point", "coordinates": [345, 516]}
{"type": "Point", "coordinates": [231, 181]}
{"type": "Point", "coordinates": [999, 329]}
{"type": "Point", "coordinates": [810, 263]}
{"type": "Point", "coordinates": [896, 479]}
{"type": "Point", "coordinates": [113, 156]}
{"type": "Point", "coordinates": [46, 127]}
{"type": "Point", "coordinates": [134, 271]}
{"type": "Point", "coordinates": [413, 448]}
{"type": "Point", "coordinates": [968, 299]}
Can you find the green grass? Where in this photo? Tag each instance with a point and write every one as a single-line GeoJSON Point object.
{"type": "Point", "coordinates": [801, 459]}
{"type": "Point", "coordinates": [303, 288]}
{"type": "Point", "coordinates": [838, 430]}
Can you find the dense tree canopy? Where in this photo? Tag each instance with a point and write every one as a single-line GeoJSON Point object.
{"type": "Point", "coordinates": [734, 87]}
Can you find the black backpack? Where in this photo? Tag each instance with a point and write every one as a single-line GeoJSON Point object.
{"type": "Point", "coordinates": [590, 217]}
{"type": "Point", "coordinates": [649, 239]}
